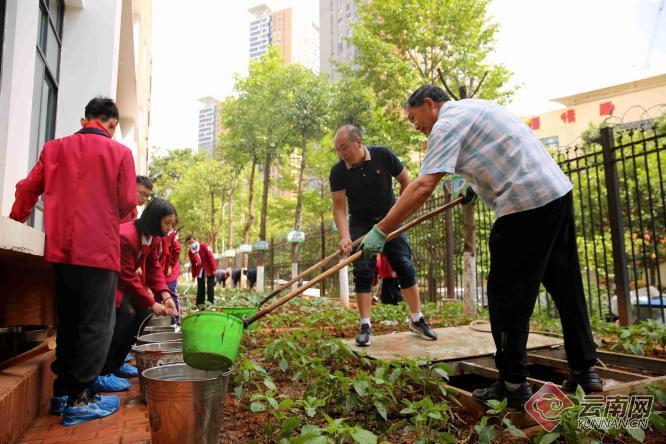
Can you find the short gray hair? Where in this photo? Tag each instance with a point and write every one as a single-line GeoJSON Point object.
{"type": "Point", "coordinates": [352, 131]}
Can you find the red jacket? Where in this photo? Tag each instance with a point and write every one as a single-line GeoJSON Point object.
{"type": "Point", "coordinates": [132, 258]}
{"type": "Point", "coordinates": [131, 216]}
{"type": "Point", "coordinates": [171, 249]}
{"type": "Point", "coordinates": [89, 185]}
{"type": "Point", "coordinates": [205, 258]}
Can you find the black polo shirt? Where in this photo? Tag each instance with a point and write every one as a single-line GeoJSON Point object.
{"type": "Point", "coordinates": [368, 186]}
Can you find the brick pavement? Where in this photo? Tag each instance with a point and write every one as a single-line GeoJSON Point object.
{"type": "Point", "coordinates": [127, 425]}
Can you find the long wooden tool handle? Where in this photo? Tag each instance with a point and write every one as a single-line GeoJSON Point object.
{"type": "Point", "coordinates": [300, 276]}
{"type": "Point", "coordinates": [261, 313]}
{"type": "Point", "coordinates": [356, 242]}
{"type": "Point", "coordinates": [46, 345]}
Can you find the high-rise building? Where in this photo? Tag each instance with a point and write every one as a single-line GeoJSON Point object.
{"type": "Point", "coordinates": [297, 37]}
{"type": "Point", "coordinates": [209, 124]}
{"type": "Point", "coordinates": [260, 30]}
{"type": "Point", "coordinates": [336, 18]}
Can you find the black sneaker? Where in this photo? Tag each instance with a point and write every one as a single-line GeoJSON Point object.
{"type": "Point", "coordinates": [516, 398]}
{"type": "Point", "coordinates": [588, 379]}
{"type": "Point", "coordinates": [422, 329]}
{"type": "Point", "coordinates": [363, 338]}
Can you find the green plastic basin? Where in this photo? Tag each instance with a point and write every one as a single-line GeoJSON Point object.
{"type": "Point", "coordinates": [211, 340]}
{"type": "Point", "coordinates": [242, 313]}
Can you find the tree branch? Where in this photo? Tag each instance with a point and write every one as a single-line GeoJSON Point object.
{"type": "Point", "coordinates": [446, 87]}
{"type": "Point", "coordinates": [485, 74]}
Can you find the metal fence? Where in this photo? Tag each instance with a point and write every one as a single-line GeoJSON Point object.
{"type": "Point", "coordinates": [620, 211]}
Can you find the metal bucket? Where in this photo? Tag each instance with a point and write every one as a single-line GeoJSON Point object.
{"type": "Point", "coordinates": [151, 329]}
{"type": "Point", "coordinates": [159, 337]}
{"type": "Point", "coordinates": [159, 321]}
{"type": "Point", "coordinates": [185, 404]}
{"type": "Point", "coordinates": [155, 355]}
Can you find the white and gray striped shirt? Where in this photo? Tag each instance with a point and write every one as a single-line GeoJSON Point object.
{"type": "Point", "coordinates": [500, 157]}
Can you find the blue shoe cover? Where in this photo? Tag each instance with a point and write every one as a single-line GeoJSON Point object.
{"type": "Point", "coordinates": [126, 371]}
{"type": "Point", "coordinates": [98, 407]}
{"type": "Point", "coordinates": [110, 383]}
{"type": "Point", "coordinates": [129, 357]}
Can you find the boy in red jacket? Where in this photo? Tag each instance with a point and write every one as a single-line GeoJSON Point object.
{"type": "Point", "coordinates": [204, 268]}
{"type": "Point", "coordinates": [89, 185]}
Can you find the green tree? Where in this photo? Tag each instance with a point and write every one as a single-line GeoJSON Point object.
{"type": "Point", "coordinates": [403, 44]}
{"type": "Point", "coordinates": [307, 107]}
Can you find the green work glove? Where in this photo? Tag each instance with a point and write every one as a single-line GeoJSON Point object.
{"type": "Point", "coordinates": [458, 187]}
{"type": "Point", "coordinates": [373, 242]}
{"type": "Point", "coordinates": [467, 193]}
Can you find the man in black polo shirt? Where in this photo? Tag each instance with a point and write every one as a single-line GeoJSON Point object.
{"type": "Point", "coordinates": [363, 179]}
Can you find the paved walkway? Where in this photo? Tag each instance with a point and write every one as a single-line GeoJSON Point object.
{"type": "Point", "coordinates": [127, 425]}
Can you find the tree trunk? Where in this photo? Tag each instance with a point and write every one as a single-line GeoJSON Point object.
{"type": "Point", "coordinates": [264, 201]}
{"type": "Point", "coordinates": [250, 211]}
{"type": "Point", "coordinates": [469, 258]}
{"type": "Point", "coordinates": [213, 231]}
{"type": "Point", "coordinates": [299, 210]}
{"type": "Point", "coordinates": [322, 233]}
{"type": "Point", "coordinates": [448, 245]}
{"type": "Point", "coordinates": [230, 230]}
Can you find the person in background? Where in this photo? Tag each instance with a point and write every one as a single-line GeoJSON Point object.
{"type": "Point", "coordinates": [144, 189]}
{"type": "Point", "coordinates": [203, 268]}
{"type": "Point", "coordinates": [139, 244]}
{"type": "Point", "coordinates": [170, 260]}
{"type": "Point", "coordinates": [251, 274]}
{"type": "Point", "coordinates": [221, 277]}
{"type": "Point", "coordinates": [389, 285]}
{"type": "Point", "coordinates": [88, 183]}
{"type": "Point", "coordinates": [236, 277]}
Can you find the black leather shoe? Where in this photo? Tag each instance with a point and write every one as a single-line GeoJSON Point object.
{"type": "Point", "coordinates": [515, 398]}
{"type": "Point", "coordinates": [588, 379]}
{"type": "Point", "coordinates": [363, 338]}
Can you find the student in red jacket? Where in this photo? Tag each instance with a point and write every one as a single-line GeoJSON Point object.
{"type": "Point", "coordinates": [144, 189]}
{"type": "Point", "coordinates": [170, 260]}
{"type": "Point", "coordinates": [204, 268]}
{"type": "Point", "coordinates": [88, 183]}
{"type": "Point", "coordinates": [139, 243]}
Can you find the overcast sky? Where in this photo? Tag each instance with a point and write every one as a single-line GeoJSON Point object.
{"type": "Point", "coordinates": [554, 48]}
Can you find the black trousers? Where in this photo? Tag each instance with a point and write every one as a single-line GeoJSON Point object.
{"type": "Point", "coordinates": [202, 282]}
{"type": "Point", "coordinates": [397, 252]}
{"type": "Point", "coordinates": [527, 249]}
{"type": "Point", "coordinates": [128, 320]}
{"type": "Point", "coordinates": [85, 303]}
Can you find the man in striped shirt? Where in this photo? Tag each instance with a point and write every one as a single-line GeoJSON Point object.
{"type": "Point", "coordinates": [532, 241]}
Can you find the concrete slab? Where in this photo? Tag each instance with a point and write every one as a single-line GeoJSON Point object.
{"type": "Point", "coordinates": [453, 343]}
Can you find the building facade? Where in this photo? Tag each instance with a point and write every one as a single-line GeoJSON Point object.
{"type": "Point", "coordinates": [336, 18]}
{"type": "Point", "coordinates": [297, 38]}
{"type": "Point", "coordinates": [635, 101]}
{"type": "Point", "coordinates": [209, 124]}
{"type": "Point", "coordinates": [56, 56]}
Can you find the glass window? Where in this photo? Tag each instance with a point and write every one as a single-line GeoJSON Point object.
{"type": "Point", "coordinates": [45, 86]}
{"type": "Point", "coordinates": [551, 142]}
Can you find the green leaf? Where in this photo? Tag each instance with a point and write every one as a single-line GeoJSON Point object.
{"type": "Point", "coordinates": [257, 407]}
{"type": "Point", "coordinates": [496, 407]}
{"type": "Point", "coordinates": [435, 415]}
{"type": "Point", "coordinates": [548, 438]}
{"type": "Point", "coordinates": [290, 424]}
{"type": "Point", "coordinates": [381, 409]}
{"type": "Point", "coordinates": [446, 437]}
{"type": "Point", "coordinates": [362, 436]}
{"type": "Point", "coordinates": [637, 434]}
{"type": "Point", "coordinates": [361, 387]}
{"type": "Point", "coordinates": [273, 403]}
{"type": "Point", "coordinates": [283, 364]}
{"type": "Point", "coordinates": [310, 429]}
{"type": "Point", "coordinates": [270, 384]}
{"type": "Point", "coordinates": [285, 404]}
{"type": "Point", "coordinates": [407, 411]}
{"type": "Point", "coordinates": [485, 433]}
